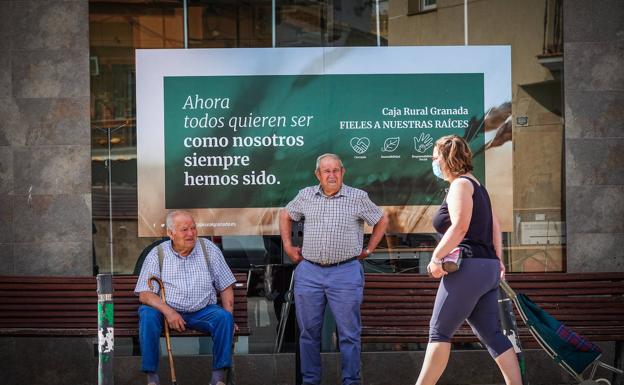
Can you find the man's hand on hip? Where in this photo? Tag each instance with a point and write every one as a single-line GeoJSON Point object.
{"type": "Point", "coordinates": [294, 253]}
{"type": "Point", "coordinates": [365, 253]}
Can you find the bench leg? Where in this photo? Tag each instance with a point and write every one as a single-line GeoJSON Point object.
{"type": "Point", "coordinates": [618, 362]}
{"type": "Point", "coordinates": [231, 374]}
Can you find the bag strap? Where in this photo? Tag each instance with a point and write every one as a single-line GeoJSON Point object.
{"type": "Point", "coordinates": [161, 258]}
{"type": "Point", "coordinates": [203, 247]}
{"type": "Point", "coordinates": [205, 252]}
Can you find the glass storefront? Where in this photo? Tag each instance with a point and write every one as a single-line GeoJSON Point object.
{"type": "Point", "coordinates": [533, 118]}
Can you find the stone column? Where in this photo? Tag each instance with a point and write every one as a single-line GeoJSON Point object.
{"type": "Point", "coordinates": [594, 134]}
{"type": "Point", "coordinates": [45, 145]}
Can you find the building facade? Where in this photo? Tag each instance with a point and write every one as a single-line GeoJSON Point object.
{"type": "Point", "coordinates": [67, 82]}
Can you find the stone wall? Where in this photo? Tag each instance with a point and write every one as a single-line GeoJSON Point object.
{"type": "Point", "coordinates": [45, 145]}
{"type": "Point", "coordinates": [594, 134]}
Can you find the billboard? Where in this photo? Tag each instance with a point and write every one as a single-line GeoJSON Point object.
{"type": "Point", "coordinates": [233, 134]}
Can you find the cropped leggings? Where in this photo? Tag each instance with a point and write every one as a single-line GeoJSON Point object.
{"type": "Point", "coordinates": [470, 294]}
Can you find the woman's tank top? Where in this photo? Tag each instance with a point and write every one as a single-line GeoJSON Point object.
{"type": "Point", "coordinates": [477, 242]}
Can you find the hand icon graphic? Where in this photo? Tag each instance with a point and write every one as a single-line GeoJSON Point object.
{"type": "Point", "coordinates": [423, 142]}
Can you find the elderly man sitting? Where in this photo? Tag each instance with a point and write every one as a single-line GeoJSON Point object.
{"type": "Point", "coordinates": [193, 271]}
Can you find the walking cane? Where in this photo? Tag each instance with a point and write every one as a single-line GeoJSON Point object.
{"type": "Point", "coordinates": [163, 298]}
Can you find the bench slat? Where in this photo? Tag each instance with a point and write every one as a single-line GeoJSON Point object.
{"type": "Point", "coordinates": [58, 306]}
{"type": "Point", "coordinates": [397, 308]}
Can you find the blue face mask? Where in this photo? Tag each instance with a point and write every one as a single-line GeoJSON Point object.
{"type": "Point", "coordinates": [437, 171]}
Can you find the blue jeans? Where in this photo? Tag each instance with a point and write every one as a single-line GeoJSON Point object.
{"type": "Point", "coordinates": [212, 319]}
{"type": "Point", "coordinates": [343, 288]}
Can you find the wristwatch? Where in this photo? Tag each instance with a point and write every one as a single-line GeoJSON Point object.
{"type": "Point", "coordinates": [367, 251]}
{"type": "Point", "coordinates": [436, 260]}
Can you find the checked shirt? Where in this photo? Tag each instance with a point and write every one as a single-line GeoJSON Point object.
{"type": "Point", "coordinates": [189, 284]}
{"type": "Point", "coordinates": [334, 226]}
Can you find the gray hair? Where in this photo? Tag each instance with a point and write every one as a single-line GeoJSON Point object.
{"type": "Point", "coordinates": [171, 216]}
{"type": "Point", "coordinates": [327, 155]}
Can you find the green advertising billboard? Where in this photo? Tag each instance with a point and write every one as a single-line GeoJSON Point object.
{"type": "Point", "coordinates": [252, 141]}
{"type": "Point", "coordinates": [233, 134]}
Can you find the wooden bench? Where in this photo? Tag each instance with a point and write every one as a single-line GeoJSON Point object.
{"type": "Point", "coordinates": [67, 306]}
{"type": "Point", "coordinates": [397, 307]}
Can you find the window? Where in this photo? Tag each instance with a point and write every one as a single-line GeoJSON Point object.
{"type": "Point", "coordinates": [420, 6]}
{"type": "Point", "coordinates": [535, 235]}
{"type": "Point", "coordinates": [117, 29]}
{"type": "Point", "coordinates": [427, 5]}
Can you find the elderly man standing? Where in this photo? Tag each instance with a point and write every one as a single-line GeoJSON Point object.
{"type": "Point", "coordinates": [328, 269]}
{"type": "Point", "coordinates": [193, 271]}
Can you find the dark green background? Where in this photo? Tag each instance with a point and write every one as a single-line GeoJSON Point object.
{"type": "Point", "coordinates": [330, 98]}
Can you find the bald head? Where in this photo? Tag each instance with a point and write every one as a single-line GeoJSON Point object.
{"type": "Point", "coordinates": [329, 172]}
{"type": "Point", "coordinates": [327, 156]}
{"type": "Point", "coordinates": [182, 231]}
{"type": "Point", "coordinates": [171, 215]}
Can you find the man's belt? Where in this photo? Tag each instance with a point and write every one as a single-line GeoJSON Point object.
{"type": "Point", "coordinates": [333, 264]}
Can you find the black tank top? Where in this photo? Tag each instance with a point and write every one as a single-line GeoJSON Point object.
{"type": "Point", "coordinates": [477, 242]}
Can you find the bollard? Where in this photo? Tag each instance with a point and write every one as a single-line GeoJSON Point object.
{"type": "Point", "coordinates": [106, 336]}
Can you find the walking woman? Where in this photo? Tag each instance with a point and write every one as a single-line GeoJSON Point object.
{"type": "Point", "coordinates": [466, 219]}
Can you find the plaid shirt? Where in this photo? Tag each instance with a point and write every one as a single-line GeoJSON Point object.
{"type": "Point", "coordinates": [189, 284]}
{"type": "Point", "coordinates": [334, 226]}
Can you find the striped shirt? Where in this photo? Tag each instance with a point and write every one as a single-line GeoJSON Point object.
{"type": "Point", "coordinates": [334, 226]}
{"type": "Point", "coordinates": [189, 284]}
